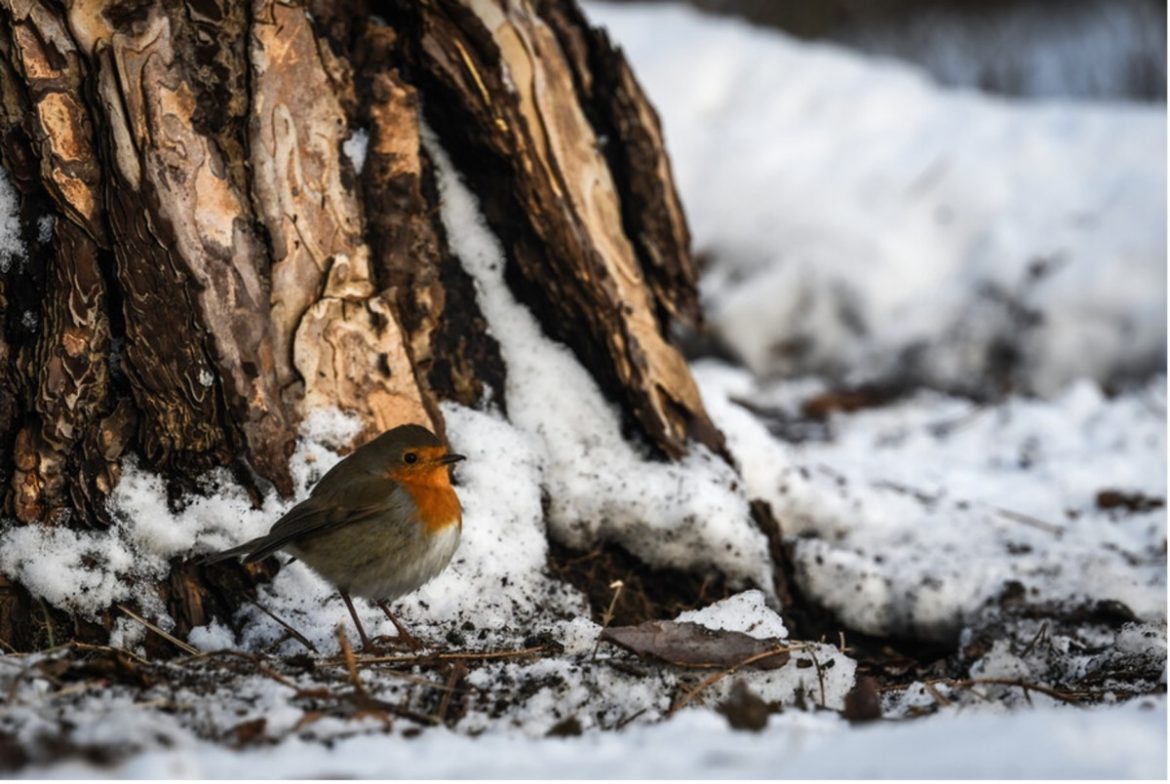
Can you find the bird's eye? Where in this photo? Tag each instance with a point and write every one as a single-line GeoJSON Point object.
{"type": "Point", "coordinates": [410, 457]}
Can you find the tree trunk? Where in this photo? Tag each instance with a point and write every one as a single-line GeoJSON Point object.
{"type": "Point", "coordinates": [204, 265]}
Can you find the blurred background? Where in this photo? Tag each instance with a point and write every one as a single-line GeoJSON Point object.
{"type": "Point", "coordinates": [965, 196]}
{"type": "Point", "coordinates": [1032, 48]}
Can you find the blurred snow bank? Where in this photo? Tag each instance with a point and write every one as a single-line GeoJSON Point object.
{"type": "Point", "coordinates": [859, 220]}
{"type": "Point", "coordinates": [1115, 742]}
{"type": "Point", "coordinates": [1083, 49]}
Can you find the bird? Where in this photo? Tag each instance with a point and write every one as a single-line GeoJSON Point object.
{"type": "Point", "coordinates": [378, 525]}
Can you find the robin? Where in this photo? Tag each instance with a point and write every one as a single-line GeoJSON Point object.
{"type": "Point", "coordinates": [381, 523]}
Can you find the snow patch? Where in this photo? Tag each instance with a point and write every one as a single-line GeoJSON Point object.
{"type": "Point", "coordinates": [746, 612]}
{"type": "Point", "coordinates": [355, 148]}
{"type": "Point", "coordinates": [11, 244]}
{"type": "Point", "coordinates": [910, 517]}
{"type": "Point", "coordinates": [688, 514]}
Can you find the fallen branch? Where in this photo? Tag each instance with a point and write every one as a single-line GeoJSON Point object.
{"type": "Point", "coordinates": [820, 674]}
{"type": "Point", "coordinates": [254, 659]}
{"type": "Point", "coordinates": [1029, 520]}
{"type": "Point", "coordinates": [302, 639]}
{"type": "Point", "coordinates": [931, 689]}
{"type": "Point", "coordinates": [432, 658]}
{"type": "Point", "coordinates": [1057, 694]}
{"type": "Point", "coordinates": [457, 674]}
{"type": "Point", "coordinates": [85, 646]}
{"type": "Point", "coordinates": [175, 641]}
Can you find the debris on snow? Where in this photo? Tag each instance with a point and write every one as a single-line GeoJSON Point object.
{"type": "Point", "coordinates": [908, 518]}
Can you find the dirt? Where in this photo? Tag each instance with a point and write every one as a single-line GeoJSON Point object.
{"type": "Point", "coordinates": [1075, 654]}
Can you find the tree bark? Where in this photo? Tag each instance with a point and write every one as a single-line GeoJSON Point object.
{"type": "Point", "coordinates": [204, 265]}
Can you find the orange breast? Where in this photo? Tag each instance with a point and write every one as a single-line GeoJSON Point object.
{"type": "Point", "coordinates": [438, 506]}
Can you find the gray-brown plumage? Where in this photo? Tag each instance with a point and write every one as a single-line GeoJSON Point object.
{"type": "Point", "coordinates": [379, 524]}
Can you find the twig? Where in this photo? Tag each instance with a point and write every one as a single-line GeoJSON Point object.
{"type": "Point", "coordinates": [1018, 517]}
{"type": "Point", "coordinates": [416, 679]}
{"type": "Point", "coordinates": [1057, 694]}
{"type": "Point", "coordinates": [48, 623]}
{"type": "Point", "coordinates": [1029, 520]}
{"type": "Point", "coordinates": [14, 687]}
{"type": "Point", "coordinates": [718, 676]}
{"type": "Point", "coordinates": [820, 674]}
{"type": "Point", "coordinates": [942, 701]}
{"type": "Point", "coordinates": [626, 720]}
{"type": "Point", "coordinates": [74, 688]}
{"type": "Point", "coordinates": [157, 702]}
{"type": "Point", "coordinates": [401, 711]}
{"type": "Point", "coordinates": [168, 637]}
{"type": "Point", "coordinates": [86, 646]}
{"type": "Point", "coordinates": [920, 495]}
{"type": "Point", "coordinates": [287, 627]}
{"type": "Point", "coordinates": [607, 617]}
{"type": "Point", "coordinates": [457, 673]}
{"type": "Point", "coordinates": [260, 666]}
{"type": "Point", "coordinates": [430, 658]}
{"type": "Point", "coordinates": [1036, 639]}
{"type": "Point", "coordinates": [350, 660]}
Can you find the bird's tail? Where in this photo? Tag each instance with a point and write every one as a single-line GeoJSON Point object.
{"type": "Point", "coordinates": [244, 549]}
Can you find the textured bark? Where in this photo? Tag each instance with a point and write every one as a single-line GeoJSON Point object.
{"type": "Point", "coordinates": [67, 370]}
{"type": "Point", "coordinates": [324, 302]}
{"type": "Point", "coordinates": [176, 208]}
{"type": "Point", "coordinates": [446, 335]}
{"type": "Point", "coordinates": [507, 107]}
{"type": "Point", "coordinates": [621, 114]}
{"type": "Point", "coordinates": [204, 265]}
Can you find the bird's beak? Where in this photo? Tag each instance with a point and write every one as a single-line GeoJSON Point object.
{"type": "Point", "coordinates": [451, 457]}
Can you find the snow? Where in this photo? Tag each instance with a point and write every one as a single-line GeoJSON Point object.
{"type": "Point", "coordinates": [863, 221]}
{"type": "Point", "coordinates": [11, 245]}
{"type": "Point", "coordinates": [355, 148]}
{"type": "Point", "coordinates": [857, 223]}
{"type": "Point", "coordinates": [745, 612]}
{"type": "Point", "coordinates": [88, 571]}
{"type": "Point", "coordinates": [911, 516]}
{"type": "Point", "coordinates": [1113, 742]}
{"type": "Point", "coordinates": [685, 514]}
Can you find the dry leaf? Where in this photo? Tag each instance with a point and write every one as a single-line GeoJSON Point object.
{"type": "Point", "coordinates": [686, 644]}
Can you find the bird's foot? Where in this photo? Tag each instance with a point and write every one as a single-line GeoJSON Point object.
{"type": "Point", "coordinates": [404, 638]}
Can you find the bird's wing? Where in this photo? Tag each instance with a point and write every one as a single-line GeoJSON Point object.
{"type": "Point", "coordinates": [358, 467]}
{"type": "Point", "coordinates": [359, 499]}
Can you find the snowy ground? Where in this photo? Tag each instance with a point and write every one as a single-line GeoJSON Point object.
{"type": "Point", "coordinates": [859, 224]}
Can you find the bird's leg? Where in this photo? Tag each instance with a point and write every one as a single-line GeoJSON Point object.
{"type": "Point", "coordinates": [366, 644]}
{"type": "Point", "coordinates": [405, 637]}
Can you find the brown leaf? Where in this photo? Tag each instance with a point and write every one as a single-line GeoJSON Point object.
{"type": "Point", "coordinates": [863, 702]}
{"type": "Point", "coordinates": [565, 728]}
{"type": "Point", "coordinates": [849, 400]}
{"type": "Point", "coordinates": [1131, 502]}
{"type": "Point", "coordinates": [248, 732]}
{"type": "Point", "coordinates": [685, 644]}
{"type": "Point", "coordinates": [744, 710]}
{"type": "Point", "coordinates": [307, 718]}
{"type": "Point", "coordinates": [109, 666]}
